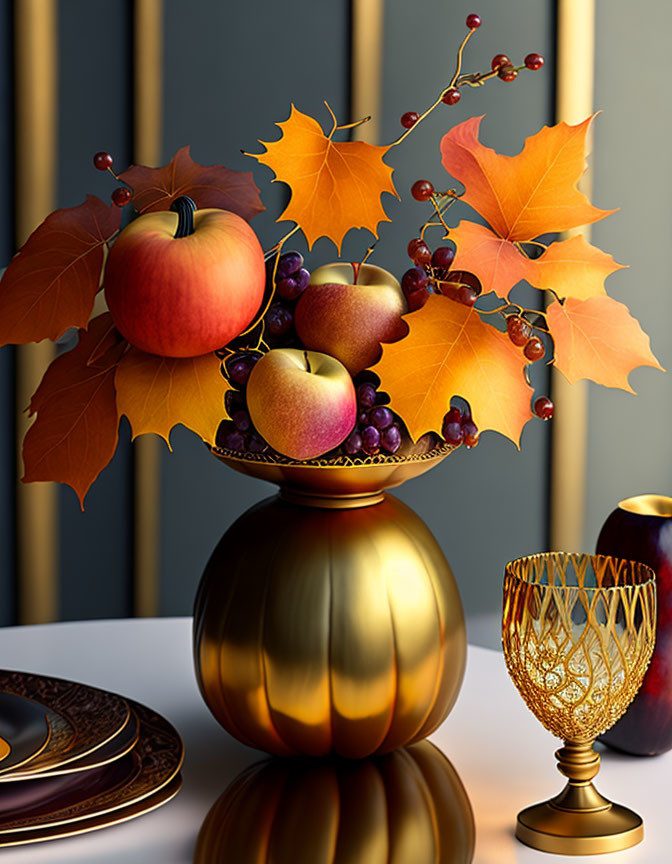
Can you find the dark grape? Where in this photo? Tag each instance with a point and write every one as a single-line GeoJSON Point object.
{"type": "Point", "coordinates": [287, 288]}
{"type": "Point", "coordinates": [414, 280]}
{"type": "Point", "coordinates": [363, 418]}
{"type": "Point", "coordinates": [381, 417]}
{"type": "Point", "coordinates": [412, 246]}
{"type": "Point", "coordinates": [543, 408]}
{"type": "Point", "coordinates": [421, 190]}
{"type": "Point", "coordinates": [256, 444]}
{"type": "Point", "coordinates": [422, 254]}
{"type": "Point", "coordinates": [417, 299]}
{"type": "Point", "coordinates": [370, 440]}
{"type": "Point", "coordinates": [353, 443]}
{"type": "Point", "coordinates": [302, 277]}
{"type": "Point", "coordinates": [289, 263]}
{"type": "Point", "coordinates": [467, 295]}
{"type": "Point", "coordinates": [238, 368]}
{"type": "Point", "coordinates": [452, 433]}
{"type": "Point", "coordinates": [241, 420]}
{"type": "Point", "coordinates": [391, 439]}
{"type": "Point", "coordinates": [534, 349]}
{"type": "Point", "coordinates": [443, 256]}
{"type": "Point", "coordinates": [366, 395]}
{"type": "Point", "coordinates": [279, 319]}
{"type": "Point", "coordinates": [469, 432]}
{"type": "Point", "coordinates": [453, 416]}
{"type": "Point", "coordinates": [518, 329]}
{"type": "Point", "coordinates": [235, 441]}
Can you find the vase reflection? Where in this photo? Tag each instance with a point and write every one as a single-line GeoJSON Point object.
{"type": "Point", "coordinates": [407, 806]}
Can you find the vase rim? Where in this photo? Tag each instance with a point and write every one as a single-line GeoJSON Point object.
{"type": "Point", "coordinates": [648, 505]}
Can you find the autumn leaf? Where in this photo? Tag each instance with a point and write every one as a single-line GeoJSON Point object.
{"type": "Point", "coordinates": [335, 186]}
{"type": "Point", "coordinates": [52, 282]}
{"type": "Point", "coordinates": [208, 185]}
{"type": "Point", "coordinates": [76, 431]}
{"type": "Point", "coordinates": [570, 268]}
{"type": "Point", "coordinates": [598, 338]}
{"type": "Point", "coordinates": [157, 393]}
{"type": "Point", "coordinates": [523, 196]}
{"type": "Point", "coordinates": [450, 351]}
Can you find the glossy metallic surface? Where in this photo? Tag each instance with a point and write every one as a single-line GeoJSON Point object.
{"type": "Point", "coordinates": [578, 633]}
{"type": "Point", "coordinates": [408, 807]}
{"type": "Point", "coordinates": [321, 629]}
{"type": "Point", "coordinates": [25, 729]}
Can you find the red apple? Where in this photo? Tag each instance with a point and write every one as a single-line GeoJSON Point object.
{"type": "Point", "coordinates": [303, 403]}
{"type": "Point", "coordinates": [349, 318]}
{"type": "Point", "coordinates": [186, 293]}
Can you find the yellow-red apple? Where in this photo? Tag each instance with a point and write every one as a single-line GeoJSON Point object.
{"type": "Point", "coordinates": [302, 403]}
{"type": "Point", "coordinates": [349, 318]}
{"type": "Point", "coordinates": [184, 283]}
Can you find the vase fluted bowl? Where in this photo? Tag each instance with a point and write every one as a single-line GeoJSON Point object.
{"type": "Point", "coordinates": [329, 621]}
{"type": "Point", "coordinates": [408, 807]}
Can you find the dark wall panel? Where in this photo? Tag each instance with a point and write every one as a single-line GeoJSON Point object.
{"type": "Point", "coordinates": [95, 89]}
{"type": "Point", "coordinates": [7, 443]}
{"type": "Point", "coordinates": [231, 72]}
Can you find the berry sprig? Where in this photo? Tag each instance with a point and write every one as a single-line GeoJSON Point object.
{"type": "Point", "coordinates": [501, 67]}
{"type": "Point", "coordinates": [122, 195]}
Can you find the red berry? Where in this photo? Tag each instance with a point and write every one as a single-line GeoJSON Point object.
{"type": "Point", "coordinates": [414, 280]}
{"type": "Point", "coordinates": [452, 433]}
{"type": "Point", "coordinates": [422, 254]}
{"type": "Point", "coordinates": [453, 416]}
{"type": "Point", "coordinates": [443, 257]}
{"type": "Point", "coordinates": [121, 196]}
{"type": "Point", "coordinates": [413, 245]}
{"type": "Point", "coordinates": [518, 329]}
{"type": "Point", "coordinates": [470, 433]}
{"type": "Point", "coordinates": [473, 21]}
{"type": "Point", "coordinates": [417, 299]}
{"type": "Point", "coordinates": [534, 349]}
{"type": "Point", "coordinates": [451, 97]}
{"type": "Point", "coordinates": [534, 61]}
{"type": "Point", "coordinates": [508, 73]}
{"type": "Point", "coordinates": [421, 190]}
{"type": "Point", "coordinates": [543, 408]}
{"type": "Point", "coordinates": [103, 161]}
{"type": "Point", "coordinates": [498, 61]}
{"type": "Point", "coordinates": [409, 119]}
{"type": "Point", "coordinates": [467, 295]}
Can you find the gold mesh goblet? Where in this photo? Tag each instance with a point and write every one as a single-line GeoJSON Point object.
{"type": "Point", "coordinates": [578, 633]}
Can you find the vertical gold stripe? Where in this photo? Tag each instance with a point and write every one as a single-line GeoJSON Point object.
{"type": "Point", "coordinates": [35, 50]}
{"type": "Point", "coordinates": [367, 67]}
{"type": "Point", "coordinates": [147, 128]}
{"type": "Point", "coordinates": [574, 98]}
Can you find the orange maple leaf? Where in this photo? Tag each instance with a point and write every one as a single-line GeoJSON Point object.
{"type": "Point", "coordinates": [208, 185]}
{"type": "Point", "coordinates": [51, 284]}
{"type": "Point", "coordinates": [522, 197]}
{"type": "Point", "coordinates": [598, 338]}
{"type": "Point", "coordinates": [156, 393]}
{"type": "Point", "coordinates": [76, 430]}
{"type": "Point", "coordinates": [450, 351]}
{"type": "Point", "coordinates": [335, 186]}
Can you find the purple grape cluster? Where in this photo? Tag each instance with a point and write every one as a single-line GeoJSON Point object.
{"type": "Point", "coordinates": [377, 428]}
{"type": "Point", "coordinates": [238, 433]}
{"type": "Point", "coordinates": [459, 428]}
{"type": "Point", "coordinates": [291, 280]}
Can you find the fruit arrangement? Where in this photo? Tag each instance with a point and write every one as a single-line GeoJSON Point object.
{"type": "Point", "coordinates": [267, 356]}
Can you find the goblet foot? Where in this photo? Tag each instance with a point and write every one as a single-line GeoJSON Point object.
{"type": "Point", "coordinates": [607, 828]}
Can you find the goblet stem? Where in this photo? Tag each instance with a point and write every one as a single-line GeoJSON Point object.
{"type": "Point", "coordinates": [579, 763]}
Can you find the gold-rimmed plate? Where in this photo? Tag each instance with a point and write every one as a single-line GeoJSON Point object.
{"type": "Point", "coordinates": [24, 730]}
{"type": "Point", "coordinates": [40, 809]}
{"type": "Point", "coordinates": [81, 718]}
{"type": "Point", "coordinates": [119, 746]}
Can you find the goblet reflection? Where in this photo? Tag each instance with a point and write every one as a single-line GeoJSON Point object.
{"type": "Point", "coordinates": [408, 806]}
{"type": "Point", "coordinates": [578, 633]}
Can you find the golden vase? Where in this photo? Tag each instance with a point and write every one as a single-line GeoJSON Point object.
{"type": "Point", "coordinates": [328, 619]}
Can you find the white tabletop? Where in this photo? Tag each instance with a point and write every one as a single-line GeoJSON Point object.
{"type": "Point", "coordinates": [503, 755]}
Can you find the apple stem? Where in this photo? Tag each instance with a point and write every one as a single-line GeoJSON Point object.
{"type": "Point", "coordinates": [184, 206]}
{"type": "Point", "coordinates": [308, 369]}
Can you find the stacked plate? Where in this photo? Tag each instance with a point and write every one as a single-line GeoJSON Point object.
{"type": "Point", "coordinates": [74, 758]}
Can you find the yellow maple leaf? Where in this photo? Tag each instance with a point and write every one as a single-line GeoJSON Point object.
{"type": "Point", "coordinates": [450, 351]}
{"type": "Point", "coordinates": [156, 393]}
{"type": "Point", "coordinates": [335, 186]}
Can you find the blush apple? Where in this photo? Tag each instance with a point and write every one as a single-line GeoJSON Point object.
{"type": "Point", "coordinates": [349, 317]}
{"type": "Point", "coordinates": [184, 283]}
{"type": "Point", "coordinates": [302, 402]}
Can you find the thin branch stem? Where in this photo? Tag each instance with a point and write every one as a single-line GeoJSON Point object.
{"type": "Point", "coordinates": [353, 125]}
{"type": "Point", "coordinates": [333, 118]}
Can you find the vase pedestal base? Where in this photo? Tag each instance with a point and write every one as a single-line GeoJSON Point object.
{"type": "Point", "coordinates": [594, 827]}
